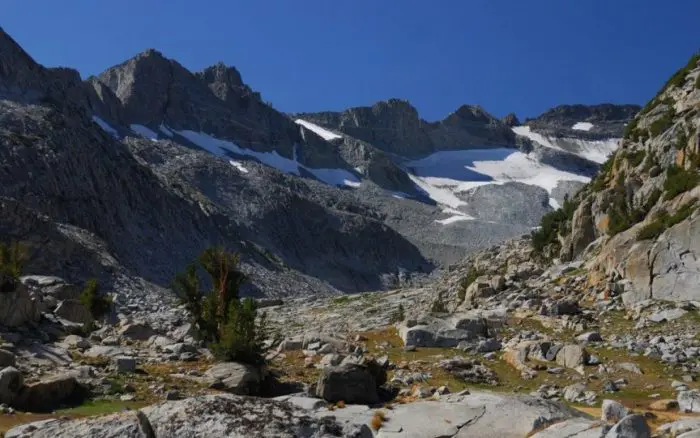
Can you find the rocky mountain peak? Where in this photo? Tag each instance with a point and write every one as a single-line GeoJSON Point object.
{"type": "Point", "coordinates": [472, 113]}
{"type": "Point", "coordinates": [511, 120]}
{"type": "Point", "coordinates": [221, 73]}
{"type": "Point", "coordinates": [18, 71]}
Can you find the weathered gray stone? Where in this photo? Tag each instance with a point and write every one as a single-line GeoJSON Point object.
{"type": "Point", "coordinates": [572, 356]}
{"type": "Point", "coordinates": [613, 411]}
{"type": "Point", "coordinates": [17, 307]}
{"type": "Point", "coordinates": [138, 331]}
{"type": "Point", "coordinates": [632, 426]}
{"type": "Point", "coordinates": [73, 311]}
{"type": "Point", "coordinates": [667, 315]}
{"type": "Point", "coordinates": [233, 377]}
{"type": "Point", "coordinates": [11, 382]}
{"type": "Point", "coordinates": [574, 428]}
{"type": "Point", "coordinates": [124, 364]}
{"type": "Point", "coordinates": [689, 401]}
{"type": "Point", "coordinates": [49, 394]}
{"type": "Point", "coordinates": [122, 425]}
{"type": "Point", "coordinates": [351, 383]}
{"type": "Point", "coordinates": [210, 416]}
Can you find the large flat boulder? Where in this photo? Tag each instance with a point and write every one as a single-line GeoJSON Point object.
{"type": "Point", "coordinates": [233, 377]}
{"type": "Point", "coordinates": [47, 395]}
{"type": "Point", "coordinates": [123, 425]}
{"type": "Point", "coordinates": [11, 382]}
{"type": "Point", "coordinates": [17, 307]}
{"type": "Point", "coordinates": [73, 311]}
{"type": "Point", "coordinates": [349, 382]}
{"type": "Point", "coordinates": [210, 416]}
{"type": "Point", "coordinates": [431, 331]}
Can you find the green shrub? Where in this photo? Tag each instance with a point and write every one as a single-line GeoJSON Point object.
{"type": "Point", "coordinates": [231, 327]}
{"type": "Point", "coordinates": [472, 275]}
{"type": "Point", "coordinates": [697, 82]}
{"type": "Point", "coordinates": [681, 138]}
{"type": "Point", "coordinates": [651, 231]}
{"type": "Point", "coordinates": [438, 306]}
{"type": "Point", "coordinates": [631, 129]}
{"type": "Point", "coordinates": [551, 225]}
{"type": "Point", "coordinates": [91, 298]}
{"type": "Point", "coordinates": [663, 123]}
{"type": "Point", "coordinates": [398, 315]}
{"type": "Point", "coordinates": [12, 259]}
{"type": "Point", "coordinates": [679, 78]}
{"type": "Point", "coordinates": [650, 162]}
{"type": "Point", "coordinates": [682, 214]}
{"type": "Point", "coordinates": [636, 158]}
{"type": "Point", "coordinates": [665, 221]}
{"type": "Point", "coordinates": [679, 180]}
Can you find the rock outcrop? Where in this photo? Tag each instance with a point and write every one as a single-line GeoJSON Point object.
{"type": "Point", "coordinates": [641, 209]}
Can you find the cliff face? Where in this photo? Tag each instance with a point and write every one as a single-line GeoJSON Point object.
{"type": "Point", "coordinates": [638, 218]}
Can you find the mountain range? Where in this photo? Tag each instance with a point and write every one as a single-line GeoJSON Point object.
{"type": "Point", "coordinates": [128, 175]}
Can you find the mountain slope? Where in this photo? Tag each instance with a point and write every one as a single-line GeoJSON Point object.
{"type": "Point", "coordinates": [640, 212]}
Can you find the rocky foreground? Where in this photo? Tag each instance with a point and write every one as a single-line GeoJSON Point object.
{"type": "Point", "coordinates": [521, 349]}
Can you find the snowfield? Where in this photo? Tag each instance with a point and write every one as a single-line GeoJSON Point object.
{"type": "Point", "coordinates": [222, 148]}
{"type": "Point", "coordinates": [597, 151]}
{"type": "Point", "coordinates": [144, 132]}
{"type": "Point", "coordinates": [582, 126]}
{"type": "Point", "coordinates": [445, 174]}
{"type": "Point", "coordinates": [322, 132]}
{"type": "Point", "coordinates": [105, 127]}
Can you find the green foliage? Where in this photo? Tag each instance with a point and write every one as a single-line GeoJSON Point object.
{"type": "Point", "coordinates": [438, 306]}
{"type": "Point", "coordinates": [12, 259]}
{"type": "Point", "coordinates": [650, 162]}
{"type": "Point", "coordinates": [663, 123]}
{"type": "Point", "coordinates": [631, 129]}
{"type": "Point", "coordinates": [551, 225]}
{"type": "Point", "coordinates": [697, 82]}
{"type": "Point", "coordinates": [636, 158]}
{"type": "Point", "coordinates": [620, 215]}
{"type": "Point", "coordinates": [681, 138]}
{"type": "Point", "coordinates": [91, 298]}
{"type": "Point", "coordinates": [398, 315]}
{"type": "Point", "coordinates": [471, 276]}
{"type": "Point", "coordinates": [231, 326]}
{"type": "Point", "coordinates": [679, 78]}
{"type": "Point", "coordinates": [651, 231]}
{"type": "Point", "coordinates": [665, 221]}
{"type": "Point", "coordinates": [679, 180]}
{"type": "Point", "coordinates": [243, 334]}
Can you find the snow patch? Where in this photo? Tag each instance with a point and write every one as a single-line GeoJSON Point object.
{"type": "Point", "coordinates": [164, 129]}
{"type": "Point", "coordinates": [144, 132]}
{"type": "Point", "coordinates": [105, 126]}
{"type": "Point", "coordinates": [453, 219]}
{"type": "Point", "coordinates": [593, 150]}
{"type": "Point", "coordinates": [221, 148]}
{"type": "Point", "coordinates": [321, 132]}
{"type": "Point", "coordinates": [582, 126]}
{"type": "Point", "coordinates": [443, 175]}
{"type": "Point", "coordinates": [554, 204]}
{"type": "Point", "coordinates": [238, 165]}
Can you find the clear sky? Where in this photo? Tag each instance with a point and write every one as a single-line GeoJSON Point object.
{"type": "Point", "coordinates": [310, 55]}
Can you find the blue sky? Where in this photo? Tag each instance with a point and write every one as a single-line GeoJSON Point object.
{"type": "Point", "coordinates": [312, 55]}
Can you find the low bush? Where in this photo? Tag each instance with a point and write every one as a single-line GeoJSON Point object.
{"type": "Point", "coordinates": [91, 298]}
{"type": "Point", "coordinates": [231, 327]}
{"type": "Point", "coordinates": [12, 259]}
{"type": "Point", "coordinates": [665, 221]}
{"type": "Point", "coordinates": [679, 180]}
{"type": "Point", "coordinates": [636, 158]}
